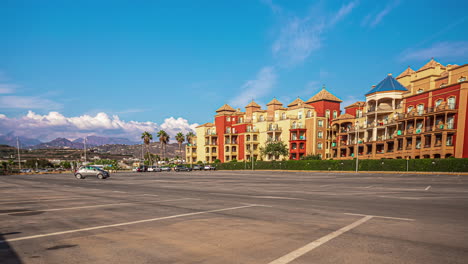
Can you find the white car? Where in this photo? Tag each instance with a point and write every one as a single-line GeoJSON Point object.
{"type": "Point", "coordinates": [209, 167]}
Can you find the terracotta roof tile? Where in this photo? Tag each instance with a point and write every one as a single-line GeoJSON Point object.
{"type": "Point", "coordinates": [324, 95]}
{"type": "Point", "coordinates": [226, 107]}
{"type": "Point", "coordinates": [345, 116]}
{"type": "Point", "coordinates": [356, 104]}
{"type": "Point", "coordinates": [207, 125]}
{"type": "Point", "coordinates": [431, 64]}
{"type": "Point", "coordinates": [253, 104]}
{"type": "Point", "coordinates": [275, 102]}
{"type": "Point", "coordinates": [296, 102]}
{"type": "Point", "coordinates": [407, 72]}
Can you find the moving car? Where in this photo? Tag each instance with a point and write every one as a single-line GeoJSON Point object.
{"type": "Point", "coordinates": [182, 168]}
{"type": "Point", "coordinates": [89, 170]}
{"type": "Point", "coordinates": [209, 167]}
{"type": "Point", "coordinates": [197, 167]}
{"type": "Point", "coordinates": [165, 168]}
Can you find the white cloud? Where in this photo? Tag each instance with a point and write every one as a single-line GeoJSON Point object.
{"type": "Point", "coordinates": [373, 20]}
{"type": "Point", "coordinates": [300, 37]}
{"type": "Point", "coordinates": [54, 124]}
{"type": "Point", "coordinates": [256, 88]}
{"type": "Point", "coordinates": [441, 50]}
{"type": "Point", "coordinates": [27, 102]}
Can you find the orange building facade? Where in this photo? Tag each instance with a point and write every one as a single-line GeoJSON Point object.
{"type": "Point", "coordinates": [419, 114]}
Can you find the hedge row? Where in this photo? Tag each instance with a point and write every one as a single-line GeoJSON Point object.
{"type": "Point", "coordinates": [438, 165]}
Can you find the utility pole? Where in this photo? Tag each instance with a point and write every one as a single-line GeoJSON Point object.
{"type": "Point", "coordinates": [19, 155]}
{"type": "Point", "coordinates": [85, 139]}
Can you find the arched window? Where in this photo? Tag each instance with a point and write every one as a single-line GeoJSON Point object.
{"type": "Point", "coordinates": [451, 102]}
{"type": "Point", "coordinates": [207, 150]}
{"type": "Point", "coordinates": [462, 79]}
{"type": "Point", "coordinates": [320, 134]}
{"type": "Point", "coordinates": [335, 114]}
{"type": "Point", "coordinates": [410, 108]}
{"type": "Point", "coordinates": [319, 145]}
{"type": "Point", "coordinates": [420, 91]}
{"type": "Point", "coordinates": [420, 109]}
{"type": "Point", "coordinates": [438, 102]}
{"type": "Point", "coordinates": [309, 113]}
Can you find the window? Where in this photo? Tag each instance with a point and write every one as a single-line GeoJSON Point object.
{"type": "Point", "coordinates": [283, 116]}
{"type": "Point", "coordinates": [327, 113]}
{"type": "Point", "coordinates": [320, 123]}
{"type": "Point", "coordinates": [299, 115]}
{"type": "Point", "coordinates": [438, 102]}
{"type": "Point", "coordinates": [450, 122]}
{"type": "Point", "coordinates": [228, 130]}
{"type": "Point", "coordinates": [320, 134]}
{"type": "Point", "coordinates": [449, 140]}
{"type": "Point", "coordinates": [451, 103]}
{"type": "Point", "coordinates": [294, 124]}
{"type": "Point", "coordinates": [241, 119]}
{"type": "Point", "coordinates": [335, 114]}
{"type": "Point", "coordinates": [248, 138]}
{"type": "Point", "coordinates": [228, 119]}
{"type": "Point", "coordinates": [294, 146]}
{"type": "Point", "coordinates": [309, 114]}
{"type": "Point", "coordinates": [261, 118]}
{"type": "Point", "coordinates": [420, 109]}
{"type": "Point", "coordinates": [420, 91]}
{"type": "Point", "coordinates": [226, 149]}
{"type": "Point", "coordinates": [208, 131]}
{"type": "Point", "coordinates": [462, 79]}
{"type": "Point", "coordinates": [301, 146]}
{"type": "Point", "coordinates": [319, 145]}
{"type": "Point", "coordinates": [410, 108]}
{"type": "Point", "coordinates": [358, 113]}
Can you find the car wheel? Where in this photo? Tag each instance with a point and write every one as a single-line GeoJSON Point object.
{"type": "Point", "coordinates": [100, 176]}
{"type": "Point", "coordinates": [78, 176]}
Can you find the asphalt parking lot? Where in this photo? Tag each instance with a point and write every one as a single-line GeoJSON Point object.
{"type": "Point", "coordinates": [234, 217]}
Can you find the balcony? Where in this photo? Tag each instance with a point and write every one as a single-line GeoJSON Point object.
{"type": "Point", "coordinates": [274, 129]}
{"type": "Point", "coordinates": [210, 134]}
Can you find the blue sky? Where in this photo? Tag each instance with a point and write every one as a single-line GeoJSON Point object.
{"type": "Point", "coordinates": [119, 67]}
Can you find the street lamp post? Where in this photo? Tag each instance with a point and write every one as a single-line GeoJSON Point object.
{"type": "Point", "coordinates": [357, 145]}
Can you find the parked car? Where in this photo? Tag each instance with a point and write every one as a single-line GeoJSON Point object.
{"type": "Point", "coordinates": [154, 168]}
{"type": "Point", "coordinates": [84, 171]}
{"type": "Point", "coordinates": [42, 170]}
{"type": "Point", "coordinates": [209, 167]}
{"type": "Point", "coordinates": [142, 168]}
{"type": "Point", "coordinates": [25, 170]}
{"type": "Point", "coordinates": [165, 168]}
{"type": "Point", "coordinates": [182, 168]}
{"type": "Point", "coordinates": [197, 167]}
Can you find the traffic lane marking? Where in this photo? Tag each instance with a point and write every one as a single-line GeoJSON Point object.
{"type": "Point", "coordinates": [92, 206]}
{"type": "Point", "coordinates": [126, 223]}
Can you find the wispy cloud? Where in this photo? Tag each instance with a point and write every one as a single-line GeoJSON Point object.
{"type": "Point", "coordinates": [6, 88]}
{"type": "Point", "coordinates": [441, 50]}
{"type": "Point", "coordinates": [55, 124]}
{"type": "Point", "coordinates": [27, 102]}
{"type": "Point", "coordinates": [299, 37]}
{"type": "Point", "coordinates": [256, 88]}
{"type": "Point", "coordinates": [373, 19]}
{"type": "Point", "coordinates": [274, 7]}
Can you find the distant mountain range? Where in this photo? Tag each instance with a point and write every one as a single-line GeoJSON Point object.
{"type": "Point", "coordinates": [98, 141]}
{"type": "Point", "coordinates": [92, 141]}
{"type": "Point", "coordinates": [10, 140]}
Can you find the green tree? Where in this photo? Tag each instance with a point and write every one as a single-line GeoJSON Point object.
{"type": "Point", "coordinates": [275, 149]}
{"type": "Point", "coordinates": [180, 139]}
{"type": "Point", "coordinates": [147, 137]}
{"type": "Point", "coordinates": [163, 140]}
{"type": "Point", "coordinates": [189, 137]}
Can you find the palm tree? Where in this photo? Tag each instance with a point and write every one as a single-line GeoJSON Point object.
{"type": "Point", "coordinates": [189, 137]}
{"type": "Point", "coordinates": [163, 139]}
{"type": "Point", "coordinates": [180, 139]}
{"type": "Point", "coordinates": [147, 137]}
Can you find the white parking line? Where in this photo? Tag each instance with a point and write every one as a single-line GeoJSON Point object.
{"type": "Point", "coordinates": [385, 217]}
{"type": "Point", "coordinates": [41, 200]}
{"type": "Point", "coordinates": [94, 206]}
{"type": "Point", "coordinates": [311, 246]}
{"type": "Point", "coordinates": [124, 224]}
{"type": "Point", "coordinates": [427, 188]}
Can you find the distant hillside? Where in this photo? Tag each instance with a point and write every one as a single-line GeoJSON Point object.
{"type": "Point", "coordinates": [98, 141]}
{"type": "Point", "coordinates": [10, 140]}
{"type": "Point", "coordinates": [136, 151]}
{"type": "Point", "coordinates": [60, 143]}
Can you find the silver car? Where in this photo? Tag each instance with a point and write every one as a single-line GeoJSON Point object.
{"type": "Point", "coordinates": [89, 170]}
